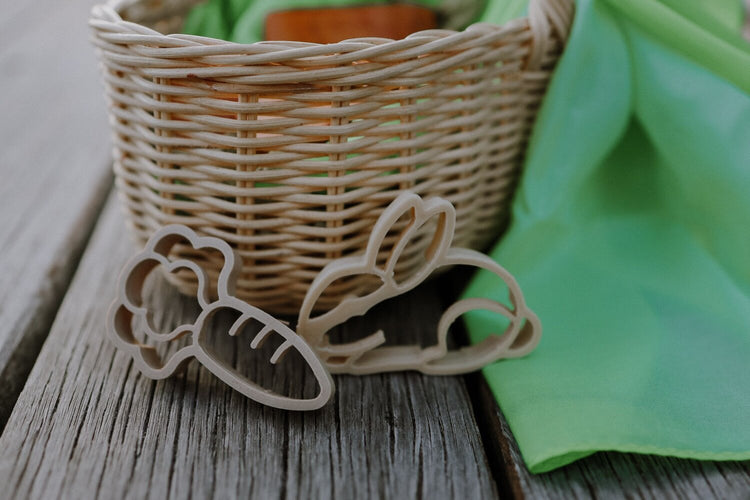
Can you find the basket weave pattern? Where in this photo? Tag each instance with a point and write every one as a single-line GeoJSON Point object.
{"type": "Point", "coordinates": [290, 151]}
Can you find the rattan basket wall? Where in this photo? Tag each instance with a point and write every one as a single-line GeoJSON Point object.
{"type": "Point", "coordinates": [290, 151]}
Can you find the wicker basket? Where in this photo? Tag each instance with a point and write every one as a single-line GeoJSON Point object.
{"type": "Point", "coordinates": [290, 151]}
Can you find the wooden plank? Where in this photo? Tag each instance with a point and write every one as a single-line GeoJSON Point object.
{"type": "Point", "coordinates": [87, 426]}
{"type": "Point", "coordinates": [54, 168]}
{"type": "Point", "coordinates": [606, 475]}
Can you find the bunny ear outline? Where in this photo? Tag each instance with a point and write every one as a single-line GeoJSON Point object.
{"type": "Point", "coordinates": [314, 328]}
{"type": "Point", "coordinates": [129, 304]}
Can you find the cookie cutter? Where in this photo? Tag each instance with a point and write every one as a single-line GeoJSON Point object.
{"type": "Point", "coordinates": [128, 306]}
{"type": "Point", "coordinates": [367, 355]}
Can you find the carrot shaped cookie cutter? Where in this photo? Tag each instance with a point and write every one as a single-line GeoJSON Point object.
{"type": "Point", "coordinates": [368, 355]}
{"type": "Point", "coordinates": [128, 309]}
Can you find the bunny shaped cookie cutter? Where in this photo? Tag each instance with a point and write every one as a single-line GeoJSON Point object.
{"type": "Point", "coordinates": [367, 355]}
{"type": "Point", "coordinates": [129, 306]}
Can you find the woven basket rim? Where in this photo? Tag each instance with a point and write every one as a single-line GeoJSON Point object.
{"type": "Point", "coordinates": [539, 13]}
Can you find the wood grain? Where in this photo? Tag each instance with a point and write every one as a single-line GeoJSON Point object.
{"type": "Point", "coordinates": [55, 172]}
{"type": "Point", "coordinates": [606, 475]}
{"type": "Point", "coordinates": [87, 426]}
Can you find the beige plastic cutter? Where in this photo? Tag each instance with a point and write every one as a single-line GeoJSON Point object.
{"type": "Point", "coordinates": [129, 306]}
{"type": "Point", "coordinates": [368, 355]}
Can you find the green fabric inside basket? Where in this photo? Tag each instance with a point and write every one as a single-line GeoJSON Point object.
{"type": "Point", "coordinates": [630, 239]}
{"type": "Point", "coordinates": [243, 21]}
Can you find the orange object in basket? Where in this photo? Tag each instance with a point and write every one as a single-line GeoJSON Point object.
{"type": "Point", "coordinates": [333, 24]}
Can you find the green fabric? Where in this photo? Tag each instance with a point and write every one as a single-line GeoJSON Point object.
{"type": "Point", "coordinates": [500, 12]}
{"type": "Point", "coordinates": [243, 21]}
{"type": "Point", "coordinates": [631, 240]}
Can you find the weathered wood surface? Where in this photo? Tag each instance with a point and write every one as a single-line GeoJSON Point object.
{"type": "Point", "coordinates": [54, 168]}
{"type": "Point", "coordinates": [602, 475]}
{"type": "Point", "coordinates": [88, 426]}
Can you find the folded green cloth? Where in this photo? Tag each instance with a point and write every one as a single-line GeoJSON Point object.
{"type": "Point", "coordinates": [631, 240]}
